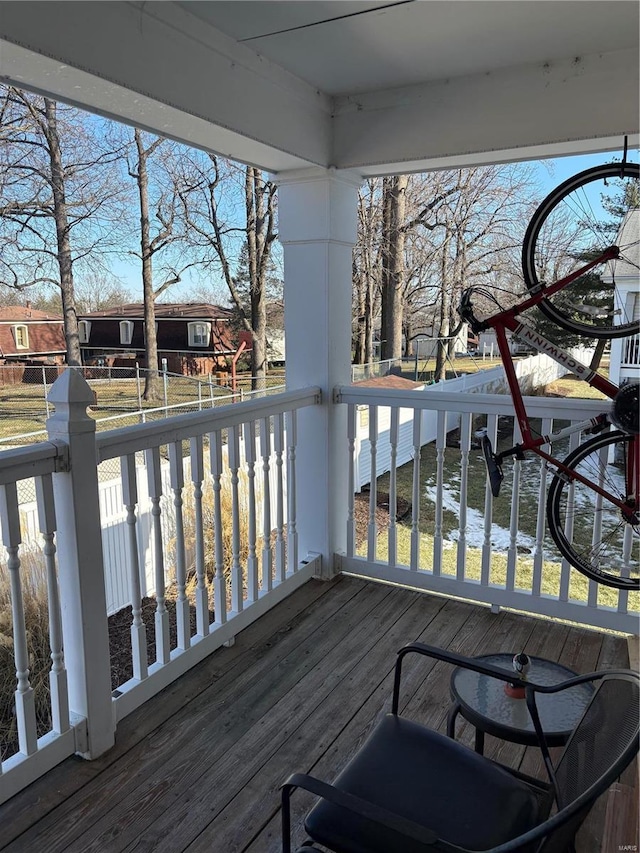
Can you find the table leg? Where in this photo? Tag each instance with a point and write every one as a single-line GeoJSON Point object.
{"type": "Point", "coordinates": [480, 741]}
{"type": "Point", "coordinates": [454, 710]}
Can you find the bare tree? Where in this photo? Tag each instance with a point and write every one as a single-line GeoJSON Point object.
{"type": "Point", "coordinates": [94, 291]}
{"type": "Point", "coordinates": [57, 189]}
{"type": "Point", "coordinates": [394, 191]}
{"type": "Point", "coordinates": [216, 191]}
{"type": "Point", "coordinates": [160, 232]}
{"type": "Point", "coordinates": [367, 270]}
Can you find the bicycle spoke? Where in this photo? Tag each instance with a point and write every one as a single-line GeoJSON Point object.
{"type": "Point", "coordinates": [591, 531]}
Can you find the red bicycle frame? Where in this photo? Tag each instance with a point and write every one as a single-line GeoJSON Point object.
{"type": "Point", "coordinates": [509, 319]}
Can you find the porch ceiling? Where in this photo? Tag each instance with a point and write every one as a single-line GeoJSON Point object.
{"type": "Point", "coordinates": [373, 86]}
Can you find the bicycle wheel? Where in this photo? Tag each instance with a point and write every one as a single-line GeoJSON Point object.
{"type": "Point", "coordinates": [575, 223]}
{"type": "Point", "coordinates": [589, 530]}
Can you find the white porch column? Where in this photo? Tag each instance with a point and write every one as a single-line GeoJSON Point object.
{"type": "Point", "coordinates": [317, 211]}
{"type": "Point", "coordinates": [80, 562]}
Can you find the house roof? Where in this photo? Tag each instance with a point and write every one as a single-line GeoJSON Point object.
{"type": "Point", "coordinates": [21, 314]}
{"type": "Point", "coordinates": [398, 382]}
{"type": "Point", "coordinates": [163, 311]}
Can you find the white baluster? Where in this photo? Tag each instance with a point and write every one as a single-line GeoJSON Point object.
{"type": "Point", "coordinates": [352, 415]}
{"type": "Point", "coordinates": [278, 437]}
{"type": "Point", "coordinates": [183, 626]}
{"type": "Point", "coordinates": [58, 674]}
{"type": "Point", "coordinates": [441, 443]}
{"type": "Point", "coordinates": [154, 479]}
{"type": "Point", "coordinates": [372, 530]}
{"type": "Point", "coordinates": [202, 592]}
{"type": "Point", "coordinates": [538, 554]}
{"type": "Point", "coordinates": [237, 591]}
{"type": "Point", "coordinates": [514, 518]}
{"type": "Point", "coordinates": [265, 451]}
{"type": "Point", "coordinates": [465, 447]}
{"type": "Point", "coordinates": [485, 570]}
{"type": "Point", "coordinates": [252, 559]}
{"type": "Point", "coordinates": [292, 523]}
{"type": "Point", "coordinates": [138, 631]}
{"type": "Point", "coordinates": [415, 515]}
{"type": "Point", "coordinates": [628, 544]}
{"type": "Point", "coordinates": [394, 429]}
{"type": "Point", "coordinates": [565, 570]}
{"type": "Point", "coordinates": [596, 535]}
{"type": "Point", "coordinates": [219, 580]}
{"type": "Point", "coordinates": [24, 695]}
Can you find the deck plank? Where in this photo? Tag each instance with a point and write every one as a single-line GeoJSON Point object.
{"type": "Point", "coordinates": [61, 783]}
{"type": "Point", "coordinates": [199, 766]}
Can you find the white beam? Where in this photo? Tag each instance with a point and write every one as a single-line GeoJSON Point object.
{"type": "Point", "coordinates": [155, 66]}
{"type": "Point", "coordinates": [582, 104]}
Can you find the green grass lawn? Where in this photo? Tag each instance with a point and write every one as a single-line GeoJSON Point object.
{"type": "Point", "coordinates": [550, 582]}
{"type": "Point", "coordinates": [23, 408]}
{"type": "Point", "coordinates": [476, 486]}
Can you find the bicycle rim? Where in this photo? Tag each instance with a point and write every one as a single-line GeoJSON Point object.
{"type": "Point", "coordinates": [590, 530]}
{"type": "Point", "coordinates": [575, 223]}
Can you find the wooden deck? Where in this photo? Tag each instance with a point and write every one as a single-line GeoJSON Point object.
{"type": "Point", "coordinates": [198, 767]}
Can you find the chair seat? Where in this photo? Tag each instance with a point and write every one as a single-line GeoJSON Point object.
{"type": "Point", "coordinates": [413, 771]}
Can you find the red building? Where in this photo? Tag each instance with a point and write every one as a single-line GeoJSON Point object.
{"type": "Point", "coordinates": [29, 337]}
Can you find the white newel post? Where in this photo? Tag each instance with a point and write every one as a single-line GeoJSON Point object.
{"type": "Point", "coordinates": [80, 562]}
{"type": "Point", "coordinates": [317, 211]}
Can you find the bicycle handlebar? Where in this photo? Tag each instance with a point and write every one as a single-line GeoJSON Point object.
{"type": "Point", "coordinates": [465, 310]}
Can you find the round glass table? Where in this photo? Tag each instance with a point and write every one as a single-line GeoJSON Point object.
{"type": "Point", "coordinates": [482, 701]}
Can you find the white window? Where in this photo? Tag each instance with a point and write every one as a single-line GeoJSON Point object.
{"type": "Point", "coordinates": [84, 330]}
{"type": "Point", "coordinates": [22, 337]}
{"type": "Point", "coordinates": [126, 331]}
{"type": "Point", "coordinates": [199, 334]}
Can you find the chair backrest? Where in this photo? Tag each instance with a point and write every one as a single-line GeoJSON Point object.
{"type": "Point", "coordinates": [603, 743]}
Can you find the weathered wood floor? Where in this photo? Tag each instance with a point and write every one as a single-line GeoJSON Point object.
{"type": "Point", "coordinates": [198, 767]}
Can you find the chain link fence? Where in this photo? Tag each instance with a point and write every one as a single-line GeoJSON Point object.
{"type": "Point", "coordinates": [118, 394]}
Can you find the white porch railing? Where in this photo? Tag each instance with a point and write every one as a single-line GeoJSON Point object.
{"type": "Point", "coordinates": [217, 569]}
{"type": "Point", "coordinates": [228, 557]}
{"type": "Point", "coordinates": [468, 559]}
{"type": "Point", "coordinates": [630, 352]}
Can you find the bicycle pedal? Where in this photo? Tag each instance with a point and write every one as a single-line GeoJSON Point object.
{"type": "Point", "coordinates": [494, 468]}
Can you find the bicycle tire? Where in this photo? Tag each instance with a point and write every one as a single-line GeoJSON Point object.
{"type": "Point", "coordinates": [571, 198]}
{"type": "Point", "coordinates": [572, 508]}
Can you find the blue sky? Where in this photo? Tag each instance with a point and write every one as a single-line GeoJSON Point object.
{"type": "Point", "coordinates": [564, 167]}
{"type": "Point", "coordinates": [552, 172]}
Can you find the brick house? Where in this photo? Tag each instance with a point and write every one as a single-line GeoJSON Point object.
{"type": "Point", "coordinates": [30, 337]}
{"type": "Point", "coordinates": [194, 338]}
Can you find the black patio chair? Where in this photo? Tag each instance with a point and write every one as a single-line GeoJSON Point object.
{"type": "Point", "coordinates": [411, 790]}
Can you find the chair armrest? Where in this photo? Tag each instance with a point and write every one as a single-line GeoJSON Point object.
{"type": "Point", "coordinates": [363, 808]}
{"type": "Point", "coordinates": [455, 660]}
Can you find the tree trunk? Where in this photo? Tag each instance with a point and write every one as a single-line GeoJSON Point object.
{"type": "Point", "coordinates": [65, 263]}
{"type": "Point", "coordinates": [256, 246]}
{"type": "Point", "coordinates": [152, 389]}
{"type": "Point", "coordinates": [393, 267]}
{"type": "Point", "coordinates": [443, 326]}
{"type": "Point", "coordinates": [408, 334]}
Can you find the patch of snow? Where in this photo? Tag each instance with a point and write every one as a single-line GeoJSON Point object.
{"type": "Point", "coordinates": [500, 536]}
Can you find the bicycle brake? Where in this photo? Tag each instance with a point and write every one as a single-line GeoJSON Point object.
{"type": "Point", "coordinates": [494, 469]}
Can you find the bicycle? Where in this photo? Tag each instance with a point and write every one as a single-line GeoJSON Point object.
{"type": "Point", "coordinates": [593, 506]}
